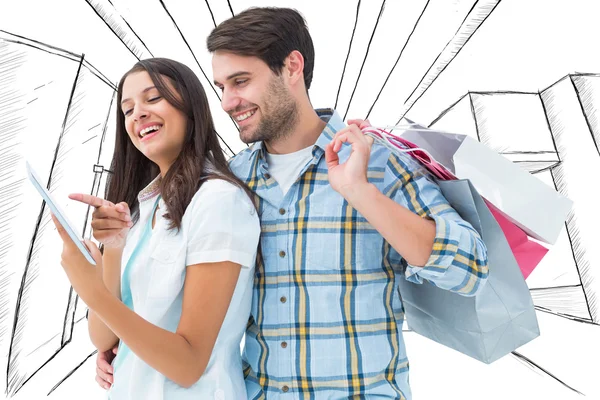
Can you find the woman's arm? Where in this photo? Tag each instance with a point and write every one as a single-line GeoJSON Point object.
{"type": "Point", "coordinates": [102, 337]}
{"type": "Point", "coordinates": [223, 232]}
{"type": "Point", "coordinates": [181, 356]}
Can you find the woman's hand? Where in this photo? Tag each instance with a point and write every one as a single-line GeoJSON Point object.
{"type": "Point", "coordinates": [85, 278]}
{"type": "Point", "coordinates": [110, 222]}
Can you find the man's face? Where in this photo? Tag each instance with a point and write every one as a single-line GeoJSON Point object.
{"type": "Point", "coordinates": [258, 100]}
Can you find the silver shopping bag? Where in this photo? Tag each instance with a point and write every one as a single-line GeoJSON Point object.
{"type": "Point", "coordinates": [531, 204]}
{"type": "Point", "coordinates": [491, 324]}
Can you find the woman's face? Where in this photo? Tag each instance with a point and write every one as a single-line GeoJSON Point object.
{"type": "Point", "coordinates": [155, 127]}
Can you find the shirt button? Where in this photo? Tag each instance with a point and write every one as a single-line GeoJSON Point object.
{"type": "Point", "coordinates": [267, 176]}
{"type": "Point", "coordinates": [283, 299]}
{"type": "Point", "coordinates": [285, 389]}
{"type": "Point", "coordinates": [282, 254]}
{"type": "Point", "coordinates": [281, 211]}
{"type": "Point", "coordinates": [283, 345]}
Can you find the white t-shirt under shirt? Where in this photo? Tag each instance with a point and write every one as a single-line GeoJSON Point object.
{"type": "Point", "coordinates": [285, 168]}
{"type": "Point", "coordinates": [220, 224]}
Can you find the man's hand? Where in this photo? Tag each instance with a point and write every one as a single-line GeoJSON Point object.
{"type": "Point", "coordinates": [104, 371]}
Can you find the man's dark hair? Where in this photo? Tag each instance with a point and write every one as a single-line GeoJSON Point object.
{"type": "Point", "coordinates": [269, 33]}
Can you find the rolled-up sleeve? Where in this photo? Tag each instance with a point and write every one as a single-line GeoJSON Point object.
{"type": "Point", "coordinates": [224, 225]}
{"type": "Point", "coordinates": [458, 259]}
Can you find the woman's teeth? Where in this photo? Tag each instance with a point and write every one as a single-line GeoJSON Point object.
{"type": "Point", "coordinates": [148, 130]}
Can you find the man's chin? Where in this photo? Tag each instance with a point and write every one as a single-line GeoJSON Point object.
{"type": "Point", "coordinates": [248, 136]}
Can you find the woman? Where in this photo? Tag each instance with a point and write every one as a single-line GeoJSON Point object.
{"type": "Point", "coordinates": [180, 234]}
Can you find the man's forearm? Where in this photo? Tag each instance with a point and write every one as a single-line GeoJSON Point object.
{"type": "Point", "coordinates": [409, 234]}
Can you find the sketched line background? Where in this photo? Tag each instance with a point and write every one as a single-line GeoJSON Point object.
{"type": "Point", "coordinates": [521, 76]}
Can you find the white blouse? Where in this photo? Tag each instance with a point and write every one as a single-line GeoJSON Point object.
{"type": "Point", "coordinates": [220, 224]}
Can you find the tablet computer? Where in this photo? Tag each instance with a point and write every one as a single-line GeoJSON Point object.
{"type": "Point", "coordinates": [58, 213]}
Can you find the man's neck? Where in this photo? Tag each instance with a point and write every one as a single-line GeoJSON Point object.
{"type": "Point", "coordinates": [306, 132]}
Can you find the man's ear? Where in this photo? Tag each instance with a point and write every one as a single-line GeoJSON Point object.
{"type": "Point", "coordinates": [294, 68]}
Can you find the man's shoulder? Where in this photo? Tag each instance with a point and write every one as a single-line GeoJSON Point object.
{"type": "Point", "coordinates": [380, 155]}
{"type": "Point", "coordinates": [240, 163]}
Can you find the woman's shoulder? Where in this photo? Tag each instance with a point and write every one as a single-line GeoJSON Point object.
{"type": "Point", "coordinates": [220, 195]}
{"type": "Point", "coordinates": [218, 185]}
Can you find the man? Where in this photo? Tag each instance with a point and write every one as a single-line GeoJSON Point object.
{"type": "Point", "coordinates": [342, 220]}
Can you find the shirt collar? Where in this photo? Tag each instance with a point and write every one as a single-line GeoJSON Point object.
{"type": "Point", "coordinates": [150, 191]}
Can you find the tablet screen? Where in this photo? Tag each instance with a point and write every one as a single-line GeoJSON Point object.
{"type": "Point", "coordinates": [58, 213]}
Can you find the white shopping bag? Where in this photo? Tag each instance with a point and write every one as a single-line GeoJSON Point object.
{"type": "Point", "coordinates": [529, 203]}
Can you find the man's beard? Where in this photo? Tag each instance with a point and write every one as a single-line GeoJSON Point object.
{"type": "Point", "coordinates": [279, 114]}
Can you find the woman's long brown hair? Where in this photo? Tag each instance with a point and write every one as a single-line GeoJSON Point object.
{"type": "Point", "coordinates": [132, 171]}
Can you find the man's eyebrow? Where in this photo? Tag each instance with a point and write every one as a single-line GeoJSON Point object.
{"type": "Point", "coordinates": [143, 91]}
{"type": "Point", "coordinates": [234, 75]}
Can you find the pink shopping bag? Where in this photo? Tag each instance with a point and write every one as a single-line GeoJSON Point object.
{"type": "Point", "coordinates": [527, 252]}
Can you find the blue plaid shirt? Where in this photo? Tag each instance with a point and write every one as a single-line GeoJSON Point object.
{"type": "Point", "coordinates": [326, 312]}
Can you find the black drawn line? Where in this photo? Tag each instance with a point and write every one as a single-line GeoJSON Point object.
{"type": "Point", "coordinates": [188, 46]}
{"type": "Point", "coordinates": [475, 114]}
{"type": "Point", "coordinates": [199, 66]}
{"type": "Point", "coordinates": [447, 110]}
{"type": "Point", "coordinates": [72, 297]}
{"type": "Point", "coordinates": [566, 301]}
{"type": "Point", "coordinates": [537, 171]}
{"type": "Point", "coordinates": [539, 368]}
{"type": "Point", "coordinates": [71, 372]}
{"type": "Point", "coordinates": [565, 315]}
{"type": "Point", "coordinates": [119, 32]}
{"type": "Point", "coordinates": [68, 57]}
{"type": "Point", "coordinates": [348, 54]}
{"type": "Point", "coordinates": [41, 86]}
{"type": "Point", "coordinates": [545, 110]}
{"type": "Point", "coordinates": [502, 92]}
{"type": "Point", "coordinates": [226, 150]}
{"type": "Point", "coordinates": [95, 126]}
{"type": "Point", "coordinates": [583, 111]}
{"type": "Point", "coordinates": [572, 232]}
{"type": "Point", "coordinates": [554, 83]}
{"type": "Point", "coordinates": [14, 382]}
{"type": "Point", "coordinates": [89, 139]}
{"type": "Point", "coordinates": [530, 152]}
{"type": "Point", "coordinates": [398, 59]}
{"type": "Point", "coordinates": [43, 344]}
{"type": "Point", "coordinates": [12, 393]}
{"type": "Point", "coordinates": [463, 39]}
{"type": "Point", "coordinates": [99, 74]}
{"type": "Point", "coordinates": [59, 52]}
{"type": "Point", "coordinates": [29, 102]}
{"type": "Point", "coordinates": [82, 318]}
{"type": "Point", "coordinates": [105, 127]}
{"type": "Point", "coordinates": [211, 13]}
{"type": "Point", "coordinates": [230, 9]}
{"type": "Point", "coordinates": [134, 32]}
{"type": "Point", "coordinates": [70, 316]}
{"type": "Point", "coordinates": [556, 287]}
{"type": "Point", "coordinates": [97, 179]}
{"type": "Point", "coordinates": [35, 43]}
{"type": "Point", "coordinates": [67, 335]}
{"type": "Point", "coordinates": [559, 277]}
{"type": "Point", "coordinates": [365, 57]}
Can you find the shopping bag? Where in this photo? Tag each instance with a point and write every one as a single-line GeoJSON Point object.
{"type": "Point", "coordinates": [500, 317]}
{"type": "Point", "coordinates": [533, 206]}
{"type": "Point", "coordinates": [528, 253]}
